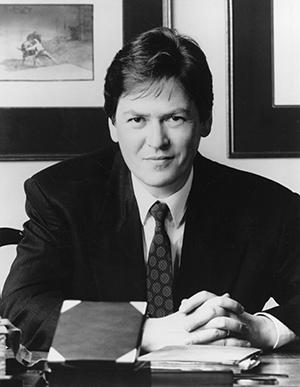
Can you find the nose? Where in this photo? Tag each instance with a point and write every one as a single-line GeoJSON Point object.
{"type": "Point", "coordinates": [157, 136]}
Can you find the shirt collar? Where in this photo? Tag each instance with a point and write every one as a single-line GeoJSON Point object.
{"type": "Point", "coordinates": [176, 202]}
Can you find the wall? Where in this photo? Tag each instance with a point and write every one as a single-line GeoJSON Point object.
{"type": "Point", "coordinates": [205, 20]}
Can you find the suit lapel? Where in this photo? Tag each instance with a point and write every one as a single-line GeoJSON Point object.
{"type": "Point", "coordinates": [118, 253]}
{"type": "Point", "coordinates": [193, 271]}
{"type": "Point", "coordinates": [129, 231]}
{"type": "Point", "coordinates": [207, 259]}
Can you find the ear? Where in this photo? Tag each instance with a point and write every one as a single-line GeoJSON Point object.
{"type": "Point", "coordinates": [112, 131]}
{"type": "Point", "coordinates": [206, 126]}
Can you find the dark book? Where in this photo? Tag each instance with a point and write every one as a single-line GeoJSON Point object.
{"type": "Point", "coordinates": [69, 376]}
{"type": "Point", "coordinates": [94, 333]}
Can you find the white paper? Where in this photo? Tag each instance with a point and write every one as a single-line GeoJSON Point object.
{"type": "Point", "coordinates": [286, 27]}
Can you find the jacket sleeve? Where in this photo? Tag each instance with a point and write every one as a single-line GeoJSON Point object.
{"type": "Point", "coordinates": [35, 287]}
{"type": "Point", "coordinates": [287, 268]}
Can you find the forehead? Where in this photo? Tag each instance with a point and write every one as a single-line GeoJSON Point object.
{"type": "Point", "coordinates": [169, 91]}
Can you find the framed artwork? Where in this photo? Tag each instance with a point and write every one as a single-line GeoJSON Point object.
{"type": "Point", "coordinates": [54, 55]}
{"type": "Point", "coordinates": [264, 78]}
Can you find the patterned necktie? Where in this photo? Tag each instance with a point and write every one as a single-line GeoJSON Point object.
{"type": "Point", "coordinates": [159, 266]}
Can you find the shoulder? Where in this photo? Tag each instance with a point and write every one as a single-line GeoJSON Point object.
{"type": "Point", "coordinates": [81, 166]}
{"type": "Point", "coordinates": [78, 173]}
{"type": "Point", "coordinates": [241, 185]}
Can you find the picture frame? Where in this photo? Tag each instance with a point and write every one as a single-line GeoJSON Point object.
{"type": "Point", "coordinates": [55, 131]}
{"type": "Point", "coordinates": [258, 126]}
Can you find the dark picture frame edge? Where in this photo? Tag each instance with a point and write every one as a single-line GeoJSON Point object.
{"type": "Point", "coordinates": [257, 128]}
{"type": "Point", "coordinates": [46, 134]}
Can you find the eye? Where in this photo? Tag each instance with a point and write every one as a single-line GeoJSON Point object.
{"type": "Point", "coordinates": [137, 122]}
{"type": "Point", "coordinates": [175, 120]}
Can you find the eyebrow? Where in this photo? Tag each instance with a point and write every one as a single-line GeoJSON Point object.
{"type": "Point", "coordinates": [174, 111]}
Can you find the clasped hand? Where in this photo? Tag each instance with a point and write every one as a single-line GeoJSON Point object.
{"type": "Point", "coordinates": [206, 318]}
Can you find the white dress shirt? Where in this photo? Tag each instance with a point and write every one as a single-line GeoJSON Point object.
{"type": "Point", "coordinates": [174, 225]}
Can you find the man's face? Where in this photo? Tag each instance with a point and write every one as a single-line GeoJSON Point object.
{"type": "Point", "coordinates": [158, 129]}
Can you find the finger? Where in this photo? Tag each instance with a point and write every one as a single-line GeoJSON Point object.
{"type": "Point", "coordinates": [227, 303]}
{"type": "Point", "coordinates": [187, 305]}
{"type": "Point", "coordinates": [202, 316]}
{"type": "Point", "coordinates": [232, 341]}
{"type": "Point", "coordinates": [205, 336]}
{"type": "Point", "coordinates": [214, 307]}
{"type": "Point", "coordinates": [5, 321]}
{"type": "Point", "coordinates": [233, 315]}
{"type": "Point", "coordinates": [226, 323]}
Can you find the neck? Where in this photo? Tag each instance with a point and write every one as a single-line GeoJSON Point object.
{"type": "Point", "coordinates": [165, 191]}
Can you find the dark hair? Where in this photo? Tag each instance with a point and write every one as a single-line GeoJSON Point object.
{"type": "Point", "coordinates": [158, 54]}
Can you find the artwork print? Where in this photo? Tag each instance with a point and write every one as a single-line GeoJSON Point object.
{"type": "Point", "coordinates": [46, 42]}
{"type": "Point", "coordinates": [54, 55]}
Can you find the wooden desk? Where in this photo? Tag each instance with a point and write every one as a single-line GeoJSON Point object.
{"type": "Point", "coordinates": [281, 362]}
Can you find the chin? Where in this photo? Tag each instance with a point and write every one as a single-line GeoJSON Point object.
{"type": "Point", "coordinates": [160, 183]}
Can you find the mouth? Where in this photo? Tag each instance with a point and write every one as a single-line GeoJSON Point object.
{"type": "Point", "coordinates": [158, 158]}
{"type": "Point", "coordinates": [159, 162]}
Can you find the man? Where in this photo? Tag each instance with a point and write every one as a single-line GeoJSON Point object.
{"type": "Point", "coordinates": [32, 46]}
{"type": "Point", "coordinates": [151, 219]}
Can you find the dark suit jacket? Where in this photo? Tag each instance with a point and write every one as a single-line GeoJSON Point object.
{"type": "Point", "coordinates": [83, 241]}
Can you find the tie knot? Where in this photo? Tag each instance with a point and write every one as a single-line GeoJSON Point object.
{"type": "Point", "coordinates": [159, 211]}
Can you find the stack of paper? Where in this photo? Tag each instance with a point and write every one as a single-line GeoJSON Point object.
{"type": "Point", "coordinates": [203, 357]}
